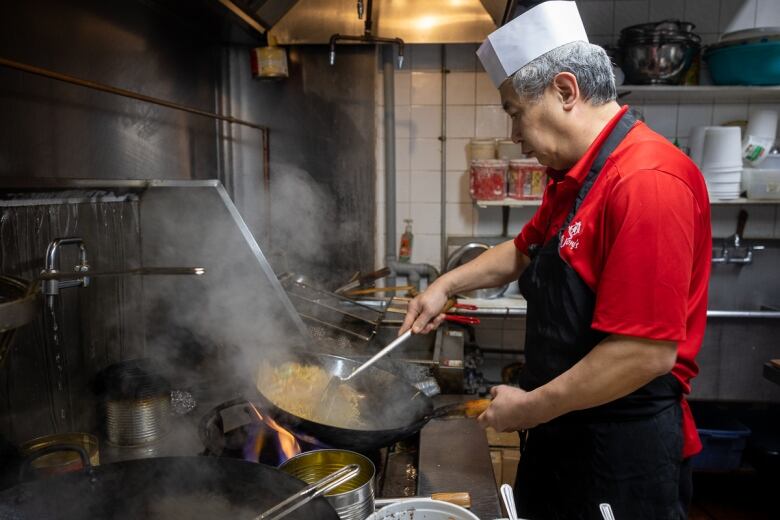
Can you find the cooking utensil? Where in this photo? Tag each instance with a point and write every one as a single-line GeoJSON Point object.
{"type": "Point", "coordinates": [330, 313]}
{"type": "Point", "coordinates": [509, 501]}
{"type": "Point", "coordinates": [354, 500]}
{"type": "Point", "coordinates": [168, 488]}
{"type": "Point", "coordinates": [390, 408]}
{"type": "Point", "coordinates": [606, 511]}
{"type": "Point", "coordinates": [330, 394]}
{"type": "Point", "coordinates": [18, 307]}
{"type": "Point", "coordinates": [658, 52]}
{"type": "Point", "coordinates": [310, 492]}
{"type": "Point", "coordinates": [462, 499]}
{"type": "Point", "coordinates": [363, 279]}
{"type": "Point", "coordinates": [372, 290]}
{"type": "Point", "coordinates": [140, 271]}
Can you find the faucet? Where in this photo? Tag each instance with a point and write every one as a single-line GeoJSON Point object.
{"type": "Point", "coordinates": [51, 288]}
{"type": "Point", "coordinates": [734, 243]}
{"type": "Point", "coordinates": [367, 36]}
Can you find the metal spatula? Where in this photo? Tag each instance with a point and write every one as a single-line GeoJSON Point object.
{"type": "Point", "coordinates": [330, 394]}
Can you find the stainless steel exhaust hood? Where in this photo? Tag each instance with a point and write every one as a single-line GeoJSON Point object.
{"type": "Point", "coordinates": [292, 22]}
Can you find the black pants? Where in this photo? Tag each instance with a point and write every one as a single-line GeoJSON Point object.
{"type": "Point", "coordinates": [568, 468]}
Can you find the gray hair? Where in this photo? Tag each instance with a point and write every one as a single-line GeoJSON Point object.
{"type": "Point", "coordinates": [588, 62]}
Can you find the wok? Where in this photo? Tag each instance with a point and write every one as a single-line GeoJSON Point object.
{"type": "Point", "coordinates": [390, 408]}
{"type": "Point", "coordinates": [160, 489]}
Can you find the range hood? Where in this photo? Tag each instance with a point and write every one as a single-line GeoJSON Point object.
{"type": "Point", "coordinates": [294, 22]}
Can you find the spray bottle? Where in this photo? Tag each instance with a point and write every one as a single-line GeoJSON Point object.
{"type": "Point", "coordinates": [405, 249]}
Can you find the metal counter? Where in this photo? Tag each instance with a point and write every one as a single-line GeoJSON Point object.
{"type": "Point", "coordinates": [454, 456]}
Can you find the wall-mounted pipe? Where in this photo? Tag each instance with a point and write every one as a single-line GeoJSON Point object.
{"type": "Point", "coordinates": [388, 85]}
{"type": "Point", "coordinates": [413, 272]}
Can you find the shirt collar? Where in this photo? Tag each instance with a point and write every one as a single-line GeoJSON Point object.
{"type": "Point", "coordinates": [579, 171]}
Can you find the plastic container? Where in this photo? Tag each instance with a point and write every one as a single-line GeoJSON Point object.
{"type": "Point", "coordinates": [722, 148]}
{"type": "Point", "coordinates": [762, 184]}
{"type": "Point", "coordinates": [697, 143]}
{"type": "Point", "coordinates": [482, 149]}
{"type": "Point", "coordinates": [509, 151]}
{"type": "Point", "coordinates": [755, 62]}
{"type": "Point", "coordinates": [723, 439]}
{"type": "Point", "coordinates": [526, 179]}
{"type": "Point", "coordinates": [423, 509]}
{"type": "Point", "coordinates": [487, 179]}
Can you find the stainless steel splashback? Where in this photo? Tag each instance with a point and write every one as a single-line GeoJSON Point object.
{"type": "Point", "coordinates": [237, 308]}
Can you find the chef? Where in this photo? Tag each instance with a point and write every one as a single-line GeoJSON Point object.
{"type": "Point", "coordinates": [614, 266]}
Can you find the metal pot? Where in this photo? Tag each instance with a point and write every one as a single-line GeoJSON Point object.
{"type": "Point", "coordinates": [658, 52]}
{"type": "Point", "coordinates": [353, 500]}
{"type": "Point", "coordinates": [466, 254]}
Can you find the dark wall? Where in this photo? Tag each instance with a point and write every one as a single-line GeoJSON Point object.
{"type": "Point", "coordinates": [51, 129]}
{"type": "Point", "coordinates": [322, 156]}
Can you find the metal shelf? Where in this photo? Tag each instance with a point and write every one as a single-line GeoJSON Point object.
{"type": "Point", "coordinates": [696, 94]}
{"type": "Point", "coordinates": [508, 202]}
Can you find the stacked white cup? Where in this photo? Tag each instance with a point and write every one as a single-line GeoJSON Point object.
{"type": "Point", "coordinates": [721, 161]}
{"type": "Point", "coordinates": [759, 137]}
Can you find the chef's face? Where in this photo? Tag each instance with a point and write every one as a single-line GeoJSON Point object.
{"type": "Point", "coordinates": [534, 125]}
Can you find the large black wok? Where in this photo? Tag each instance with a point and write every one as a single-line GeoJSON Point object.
{"type": "Point", "coordinates": [390, 408]}
{"type": "Point", "coordinates": [169, 488]}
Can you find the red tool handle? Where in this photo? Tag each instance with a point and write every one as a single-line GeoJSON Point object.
{"type": "Point", "coordinates": [465, 306]}
{"type": "Point", "coordinates": [465, 320]}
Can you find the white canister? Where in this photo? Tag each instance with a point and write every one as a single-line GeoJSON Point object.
{"type": "Point", "coordinates": [482, 149]}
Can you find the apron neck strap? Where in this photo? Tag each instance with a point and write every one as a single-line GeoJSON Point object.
{"type": "Point", "coordinates": [612, 141]}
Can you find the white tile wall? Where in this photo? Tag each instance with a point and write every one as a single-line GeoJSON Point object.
{"type": "Point", "coordinates": [426, 186]}
{"type": "Point", "coordinates": [461, 88]}
{"type": "Point", "coordinates": [461, 121]}
{"type": "Point", "coordinates": [491, 121]}
{"type": "Point", "coordinates": [473, 110]}
{"type": "Point", "coordinates": [426, 121]}
{"type": "Point", "coordinates": [426, 88]}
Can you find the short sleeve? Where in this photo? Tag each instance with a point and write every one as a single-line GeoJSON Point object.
{"type": "Point", "coordinates": [650, 222]}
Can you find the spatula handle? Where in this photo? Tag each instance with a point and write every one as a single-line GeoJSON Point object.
{"type": "Point", "coordinates": [393, 344]}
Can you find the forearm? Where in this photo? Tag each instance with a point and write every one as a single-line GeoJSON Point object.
{"type": "Point", "coordinates": [614, 368]}
{"type": "Point", "coordinates": [497, 266]}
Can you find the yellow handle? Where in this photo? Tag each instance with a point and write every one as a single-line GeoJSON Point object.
{"type": "Point", "coordinates": [462, 499]}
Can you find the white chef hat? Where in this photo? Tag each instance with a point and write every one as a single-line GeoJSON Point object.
{"type": "Point", "coordinates": [535, 32]}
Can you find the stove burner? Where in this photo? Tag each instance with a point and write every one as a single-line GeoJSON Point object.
{"type": "Point", "coordinates": [234, 430]}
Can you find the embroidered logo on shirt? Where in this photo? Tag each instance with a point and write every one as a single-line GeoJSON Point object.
{"type": "Point", "coordinates": [567, 237]}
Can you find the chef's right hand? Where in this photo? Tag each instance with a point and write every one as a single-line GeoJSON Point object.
{"type": "Point", "coordinates": [424, 313]}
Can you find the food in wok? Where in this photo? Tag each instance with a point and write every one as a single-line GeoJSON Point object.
{"type": "Point", "coordinates": [297, 388]}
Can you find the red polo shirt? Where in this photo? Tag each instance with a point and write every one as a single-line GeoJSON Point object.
{"type": "Point", "coordinates": [641, 241]}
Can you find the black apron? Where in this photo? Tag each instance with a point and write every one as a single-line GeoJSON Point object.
{"type": "Point", "coordinates": [627, 452]}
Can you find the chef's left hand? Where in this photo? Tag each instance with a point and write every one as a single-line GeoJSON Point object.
{"type": "Point", "coordinates": [512, 409]}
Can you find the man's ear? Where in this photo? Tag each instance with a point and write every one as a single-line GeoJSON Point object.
{"type": "Point", "coordinates": [566, 88]}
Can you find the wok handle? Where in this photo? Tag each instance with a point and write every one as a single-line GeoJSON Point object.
{"type": "Point", "coordinates": [27, 462]}
{"type": "Point", "coordinates": [310, 492]}
{"type": "Point", "coordinates": [465, 409]}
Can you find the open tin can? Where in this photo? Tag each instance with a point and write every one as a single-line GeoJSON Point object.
{"type": "Point", "coordinates": [353, 500]}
